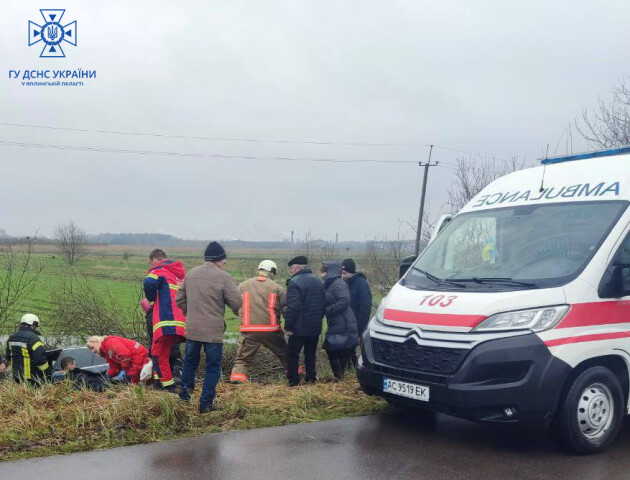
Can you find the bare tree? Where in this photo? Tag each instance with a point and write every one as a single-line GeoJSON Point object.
{"type": "Point", "coordinates": [304, 246]}
{"type": "Point", "coordinates": [429, 221]}
{"type": "Point", "coordinates": [20, 273]}
{"type": "Point", "coordinates": [71, 242]}
{"type": "Point", "coordinates": [472, 174]}
{"type": "Point", "coordinates": [608, 125]}
{"type": "Point", "coordinates": [308, 242]}
{"type": "Point", "coordinates": [328, 251]}
{"type": "Point", "coordinates": [80, 311]}
{"type": "Point", "coordinates": [382, 259]}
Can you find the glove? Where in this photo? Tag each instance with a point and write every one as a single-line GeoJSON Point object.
{"type": "Point", "coordinates": [146, 305]}
{"type": "Point", "coordinates": [121, 376]}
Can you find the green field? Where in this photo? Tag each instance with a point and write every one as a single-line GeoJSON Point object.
{"type": "Point", "coordinates": [114, 275]}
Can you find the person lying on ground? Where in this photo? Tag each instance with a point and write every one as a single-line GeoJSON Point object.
{"type": "Point", "coordinates": [81, 378]}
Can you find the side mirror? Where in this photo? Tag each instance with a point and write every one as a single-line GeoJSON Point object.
{"type": "Point", "coordinates": [615, 282]}
{"type": "Point", "coordinates": [405, 264]}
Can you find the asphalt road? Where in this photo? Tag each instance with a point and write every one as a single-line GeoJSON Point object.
{"type": "Point", "coordinates": [390, 446]}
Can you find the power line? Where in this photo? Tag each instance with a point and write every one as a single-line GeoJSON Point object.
{"type": "Point", "coordinates": [221, 139]}
{"type": "Point", "coordinates": [198, 155]}
{"type": "Point", "coordinates": [250, 140]}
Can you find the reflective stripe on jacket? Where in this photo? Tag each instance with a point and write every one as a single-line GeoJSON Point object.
{"type": "Point", "coordinates": [27, 355]}
{"type": "Point", "coordinates": [160, 286]}
{"type": "Point", "coordinates": [263, 301]}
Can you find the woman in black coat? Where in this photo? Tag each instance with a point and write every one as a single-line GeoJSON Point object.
{"type": "Point", "coordinates": [342, 336]}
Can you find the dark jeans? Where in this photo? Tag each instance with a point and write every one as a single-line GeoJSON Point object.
{"type": "Point", "coordinates": [340, 361]}
{"type": "Point", "coordinates": [214, 352]}
{"type": "Point", "coordinates": [295, 346]}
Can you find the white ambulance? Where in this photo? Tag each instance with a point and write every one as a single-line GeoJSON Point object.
{"type": "Point", "coordinates": [519, 310]}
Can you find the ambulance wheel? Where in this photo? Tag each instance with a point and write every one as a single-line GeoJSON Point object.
{"type": "Point", "coordinates": [590, 415]}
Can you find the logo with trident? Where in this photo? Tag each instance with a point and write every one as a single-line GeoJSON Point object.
{"type": "Point", "coordinates": [52, 33]}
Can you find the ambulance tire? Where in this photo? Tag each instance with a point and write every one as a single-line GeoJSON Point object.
{"type": "Point", "coordinates": [591, 414]}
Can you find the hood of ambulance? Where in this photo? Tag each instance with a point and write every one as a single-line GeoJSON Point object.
{"type": "Point", "coordinates": [459, 310]}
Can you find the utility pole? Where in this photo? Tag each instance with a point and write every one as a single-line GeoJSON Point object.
{"type": "Point", "coordinates": [424, 191]}
{"type": "Point", "coordinates": [292, 232]}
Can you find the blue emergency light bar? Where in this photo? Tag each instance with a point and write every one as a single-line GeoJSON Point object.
{"type": "Point", "coordinates": [584, 156]}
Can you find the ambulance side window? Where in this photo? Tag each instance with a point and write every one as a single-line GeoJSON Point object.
{"type": "Point", "coordinates": [623, 255]}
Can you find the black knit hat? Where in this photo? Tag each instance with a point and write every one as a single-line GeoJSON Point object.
{"type": "Point", "coordinates": [299, 260]}
{"type": "Point", "coordinates": [349, 266]}
{"type": "Point", "coordinates": [214, 252]}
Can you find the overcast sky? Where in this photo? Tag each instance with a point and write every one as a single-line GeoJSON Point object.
{"type": "Point", "coordinates": [492, 77]}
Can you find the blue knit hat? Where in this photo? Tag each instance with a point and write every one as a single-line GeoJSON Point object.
{"type": "Point", "coordinates": [214, 252]}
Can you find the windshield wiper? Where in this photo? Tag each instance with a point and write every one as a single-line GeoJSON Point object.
{"type": "Point", "coordinates": [491, 280]}
{"type": "Point", "coordinates": [437, 280]}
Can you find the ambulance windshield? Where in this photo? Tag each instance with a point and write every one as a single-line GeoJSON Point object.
{"type": "Point", "coordinates": [530, 246]}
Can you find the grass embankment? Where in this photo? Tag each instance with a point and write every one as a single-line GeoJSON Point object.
{"type": "Point", "coordinates": [58, 419]}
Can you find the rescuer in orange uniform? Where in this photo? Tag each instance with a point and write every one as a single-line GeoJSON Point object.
{"type": "Point", "coordinates": [263, 301]}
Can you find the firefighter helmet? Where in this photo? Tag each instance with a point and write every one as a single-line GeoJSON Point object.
{"type": "Point", "coordinates": [30, 319]}
{"type": "Point", "coordinates": [269, 266]}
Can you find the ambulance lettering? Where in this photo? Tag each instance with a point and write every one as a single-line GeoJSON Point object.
{"type": "Point", "coordinates": [581, 190]}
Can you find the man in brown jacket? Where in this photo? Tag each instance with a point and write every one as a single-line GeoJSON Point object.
{"type": "Point", "coordinates": [203, 295]}
{"type": "Point", "coordinates": [263, 302]}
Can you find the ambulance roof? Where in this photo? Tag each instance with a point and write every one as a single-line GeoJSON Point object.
{"type": "Point", "coordinates": [579, 178]}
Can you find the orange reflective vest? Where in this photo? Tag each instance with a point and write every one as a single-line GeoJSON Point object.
{"type": "Point", "coordinates": [263, 301]}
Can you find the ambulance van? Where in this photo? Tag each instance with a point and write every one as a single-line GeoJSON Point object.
{"type": "Point", "coordinates": [519, 310]}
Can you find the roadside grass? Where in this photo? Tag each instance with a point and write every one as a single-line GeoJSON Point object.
{"type": "Point", "coordinates": [56, 419]}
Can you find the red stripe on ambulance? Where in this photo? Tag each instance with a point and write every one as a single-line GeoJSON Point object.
{"type": "Point", "coordinates": [443, 319]}
{"type": "Point", "coordinates": [587, 338]}
{"type": "Point", "coordinates": [597, 313]}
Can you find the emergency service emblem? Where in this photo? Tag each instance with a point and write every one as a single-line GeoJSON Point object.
{"type": "Point", "coordinates": [52, 33]}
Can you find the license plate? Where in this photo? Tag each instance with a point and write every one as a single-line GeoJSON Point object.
{"type": "Point", "coordinates": [404, 389]}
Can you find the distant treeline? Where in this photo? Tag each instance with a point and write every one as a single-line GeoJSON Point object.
{"type": "Point", "coordinates": [165, 240]}
{"type": "Point", "coordinates": [151, 239]}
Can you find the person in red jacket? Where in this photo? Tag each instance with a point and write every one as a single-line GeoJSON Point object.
{"type": "Point", "coordinates": [169, 323]}
{"type": "Point", "coordinates": [126, 358]}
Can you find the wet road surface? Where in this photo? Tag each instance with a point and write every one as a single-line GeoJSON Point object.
{"type": "Point", "coordinates": [389, 446]}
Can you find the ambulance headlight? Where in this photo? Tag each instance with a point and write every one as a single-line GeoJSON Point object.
{"type": "Point", "coordinates": [535, 319]}
{"type": "Point", "coordinates": [380, 313]}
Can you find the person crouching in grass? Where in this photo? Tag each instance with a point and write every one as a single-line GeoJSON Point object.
{"type": "Point", "coordinates": [128, 360]}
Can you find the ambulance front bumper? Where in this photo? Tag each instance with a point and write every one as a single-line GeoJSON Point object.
{"type": "Point", "coordinates": [509, 380]}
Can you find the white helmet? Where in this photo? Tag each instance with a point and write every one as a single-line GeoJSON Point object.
{"type": "Point", "coordinates": [30, 319]}
{"type": "Point", "coordinates": [269, 266]}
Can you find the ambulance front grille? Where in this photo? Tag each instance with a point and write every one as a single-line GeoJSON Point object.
{"type": "Point", "coordinates": [410, 355]}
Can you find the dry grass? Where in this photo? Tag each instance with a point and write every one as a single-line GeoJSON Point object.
{"type": "Point", "coordinates": [57, 419]}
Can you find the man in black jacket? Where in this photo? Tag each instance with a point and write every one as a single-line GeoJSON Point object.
{"type": "Point", "coordinates": [26, 353]}
{"type": "Point", "coordinates": [360, 293]}
{"type": "Point", "coordinates": [303, 319]}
